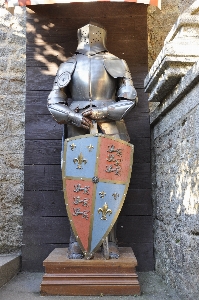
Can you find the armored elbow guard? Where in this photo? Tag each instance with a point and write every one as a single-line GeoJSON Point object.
{"type": "Point", "coordinates": [127, 92]}
{"type": "Point", "coordinates": [56, 96]}
{"type": "Point", "coordinates": [119, 109]}
{"type": "Point", "coordinates": [57, 105]}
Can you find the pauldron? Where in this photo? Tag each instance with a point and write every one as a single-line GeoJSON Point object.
{"type": "Point", "coordinates": [65, 71]}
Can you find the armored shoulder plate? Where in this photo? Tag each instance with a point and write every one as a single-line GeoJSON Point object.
{"type": "Point", "coordinates": [65, 71]}
{"type": "Point", "coordinates": [114, 65]}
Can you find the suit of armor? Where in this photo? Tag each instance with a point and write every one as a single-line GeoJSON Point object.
{"type": "Point", "coordinates": [92, 89]}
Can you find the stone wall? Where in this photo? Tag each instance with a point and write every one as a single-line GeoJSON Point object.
{"type": "Point", "coordinates": [175, 156]}
{"type": "Point", "coordinates": [12, 102]}
{"type": "Point", "coordinates": [160, 23]}
{"type": "Point", "coordinates": [173, 86]}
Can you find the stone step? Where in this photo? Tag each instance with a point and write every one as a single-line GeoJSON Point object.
{"type": "Point", "coordinates": [10, 265]}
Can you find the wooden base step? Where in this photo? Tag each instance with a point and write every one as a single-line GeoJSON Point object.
{"type": "Point", "coordinates": [73, 277]}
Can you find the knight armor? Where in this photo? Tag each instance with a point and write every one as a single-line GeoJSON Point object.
{"type": "Point", "coordinates": [93, 88]}
{"type": "Point", "coordinates": [92, 85]}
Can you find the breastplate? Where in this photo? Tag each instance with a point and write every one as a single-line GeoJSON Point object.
{"type": "Point", "coordinates": [90, 80]}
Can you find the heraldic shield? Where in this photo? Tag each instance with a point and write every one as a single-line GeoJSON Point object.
{"type": "Point", "coordinates": [96, 173]}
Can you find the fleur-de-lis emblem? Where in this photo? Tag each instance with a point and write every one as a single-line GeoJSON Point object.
{"type": "Point", "coordinates": [90, 148]}
{"type": "Point", "coordinates": [102, 194]}
{"type": "Point", "coordinates": [104, 210]}
{"type": "Point", "coordinates": [79, 160]}
{"type": "Point", "coordinates": [115, 195]}
{"type": "Point", "coordinates": [72, 146]}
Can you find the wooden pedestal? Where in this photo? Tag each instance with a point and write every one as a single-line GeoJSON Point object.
{"type": "Point", "coordinates": [90, 277]}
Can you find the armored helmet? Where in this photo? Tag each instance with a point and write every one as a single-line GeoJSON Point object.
{"type": "Point", "coordinates": [91, 39]}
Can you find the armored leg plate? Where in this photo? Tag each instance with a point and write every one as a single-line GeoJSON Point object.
{"type": "Point", "coordinates": [74, 251]}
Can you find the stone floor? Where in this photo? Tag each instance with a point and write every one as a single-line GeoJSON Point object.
{"type": "Point", "coordinates": [26, 286]}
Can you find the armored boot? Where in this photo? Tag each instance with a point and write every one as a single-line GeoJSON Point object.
{"type": "Point", "coordinates": [74, 250]}
{"type": "Point", "coordinates": [109, 247]}
{"type": "Point", "coordinates": [113, 248]}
